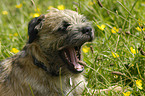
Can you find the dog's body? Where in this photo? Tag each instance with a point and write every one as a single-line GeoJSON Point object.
{"type": "Point", "coordinates": [48, 64]}
{"type": "Point", "coordinates": [17, 80]}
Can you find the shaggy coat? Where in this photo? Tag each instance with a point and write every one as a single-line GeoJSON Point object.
{"type": "Point", "coordinates": [48, 65]}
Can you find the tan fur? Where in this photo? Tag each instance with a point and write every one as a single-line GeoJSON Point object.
{"type": "Point", "coordinates": [20, 77]}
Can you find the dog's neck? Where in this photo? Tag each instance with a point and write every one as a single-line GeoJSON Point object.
{"type": "Point", "coordinates": [42, 66]}
{"type": "Point", "coordinates": [39, 64]}
{"type": "Point", "coordinates": [45, 61]}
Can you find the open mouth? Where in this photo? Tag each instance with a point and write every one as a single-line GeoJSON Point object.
{"type": "Point", "coordinates": [71, 56]}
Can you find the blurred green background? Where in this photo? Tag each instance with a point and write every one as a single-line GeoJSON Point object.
{"type": "Point", "coordinates": [115, 57]}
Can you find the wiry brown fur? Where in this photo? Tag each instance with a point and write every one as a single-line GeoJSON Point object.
{"type": "Point", "coordinates": [19, 75]}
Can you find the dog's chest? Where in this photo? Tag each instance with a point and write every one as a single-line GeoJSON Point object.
{"type": "Point", "coordinates": [71, 86]}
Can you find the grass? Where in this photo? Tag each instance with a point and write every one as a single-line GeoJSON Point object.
{"type": "Point", "coordinates": [113, 58]}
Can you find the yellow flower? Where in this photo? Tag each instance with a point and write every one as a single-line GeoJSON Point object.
{"type": "Point", "coordinates": [127, 93]}
{"type": "Point", "coordinates": [114, 30]}
{"type": "Point", "coordinates": [102, 27]}
{"type": "Point", "coordinates": [90, 3]}
{"type": "Point", "coordinates": [37, 10]}
{"type": "Point", "coordinates": [35, 15]}
{"type": "Point", "coordinates": [50, 7]}
{"type": "Point", "coordinates": [140, 22]}
{"type": "Point", "coordinates": [14, 50]}
{"type": "Point", "coordinates": [16, 34]}
{"type": "Point", "coordinates": [116, 76]}
{"type": "Point", "coordinates": [61, 7]}
{"type": "Point", "coordinates": [10, 36]}
{"type": "Point", "coordinates": [139, 29]}
{"type": "Point", "coordinates": [133, 50]}
{"type": "Point", "coordinates": [143, 2]}
{"type": "Point", "coordinates": [86, 49]}
{"type": "Point", "coordinates": [18, 6]}
{"type": "Point", "coordinates": [5, 12]}
{"type": "Point", "coordinates": [24, 2]}
{"type": "Point", "coordinates": [115, 55]}
{"type": "Point", "coordinates": [132, 65]}
{"type": "Point", "coordinates": [139, 84]}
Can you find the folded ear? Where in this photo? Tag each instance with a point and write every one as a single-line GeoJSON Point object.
{"type": "Point", "coordinates": [34, 26]}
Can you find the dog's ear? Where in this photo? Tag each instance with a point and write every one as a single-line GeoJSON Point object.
{"type": "Point", "coordinates": [34, 26]}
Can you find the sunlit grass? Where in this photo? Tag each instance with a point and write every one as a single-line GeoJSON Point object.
{"type": "Point", "coordinates": [113, 57]}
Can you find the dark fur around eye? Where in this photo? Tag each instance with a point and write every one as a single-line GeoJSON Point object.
{"type": "Point", "coordinates": [64, 27]}
{"type": "Point", "coordinates": [83, 20]}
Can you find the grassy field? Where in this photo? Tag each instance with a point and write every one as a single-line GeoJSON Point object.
{"type": "Point", "coordinates": [115, 57]}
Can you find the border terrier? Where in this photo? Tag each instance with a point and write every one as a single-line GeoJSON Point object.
{"type": "Point", "coordinates": [48, 65]}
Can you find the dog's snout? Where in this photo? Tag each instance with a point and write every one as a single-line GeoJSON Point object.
{"type": "Point", "coordinates": [87, 30]}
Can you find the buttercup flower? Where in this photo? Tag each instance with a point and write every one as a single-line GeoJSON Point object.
{"type": "Point", "coordinates": [24, 2]}
{"type": "Point", "coordinates": [10, 36]}
{"type": "Point", "coordinates": [143, 2]}
{"type": "Point", "coordinates": [140, 22]}
{"type": "Point", "coordinates": [90, 3]}
{"type": "Point", "coordinates": [115, 55]}
{"type": "Point", "coordinates": [18, 6]}
{"type": "Point", "coordinates": [132, 65]}
{"type": "Point", "coordinates": [139, 29]}
{"type": "Point", "coordinates": [102, 27]}
{"type": "Point", "coordinates": [16, 34]}
{"type": "Point", "coordinates": [86, 49]}
{"type": "Point", "coordinates": [127, 93]}
{"type": "Point", "coordinates": [139, 84]}
{"type": "Point", "coordinates": [133, 50]}
{"type": "Point", "coordinates": [61, 7]}
{"type": "Point", "coordinates": [114, 30]}
{"type": "Point", "coordinates": [50, 7]}
{"type": "Point", "coordinates": [14, 50]}
{"type": "Point", "coordinates": [37, 10]}
{"type": "Point", "coordinates": [35, 15]}
{"type": "Point", "coordinates": [116, 76]}
{"type": "Point", "coordinates": [5, 12]}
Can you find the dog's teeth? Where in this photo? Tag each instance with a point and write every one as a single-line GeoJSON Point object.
{"type": "Point", "coordinates": [65, 54]}
{"type": "Point", "coordinates": [70, 82]}
{"type": "Point", "coordinates": [66, 57]}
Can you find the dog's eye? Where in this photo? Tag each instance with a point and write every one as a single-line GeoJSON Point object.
{"type": "Point", "coordinates": [83, 20]}
{"type": "Point", "coordinates": [64, 27]}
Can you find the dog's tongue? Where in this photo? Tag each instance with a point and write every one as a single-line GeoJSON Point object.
{"type": "Point", "coordinates": [73, 60]}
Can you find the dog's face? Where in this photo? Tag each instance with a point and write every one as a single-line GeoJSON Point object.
{"type": "Point", "coordinates": [60, 35]}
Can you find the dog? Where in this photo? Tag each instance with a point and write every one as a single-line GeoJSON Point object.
{"type": "Point", "coordinates": [48, 65]}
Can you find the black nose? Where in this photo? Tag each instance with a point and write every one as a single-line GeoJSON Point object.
{"type": "Point", "coordinates": [87, 30]}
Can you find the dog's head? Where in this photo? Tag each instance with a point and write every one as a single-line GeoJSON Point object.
{"type": "Point", "coordinates": [60, 34]}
